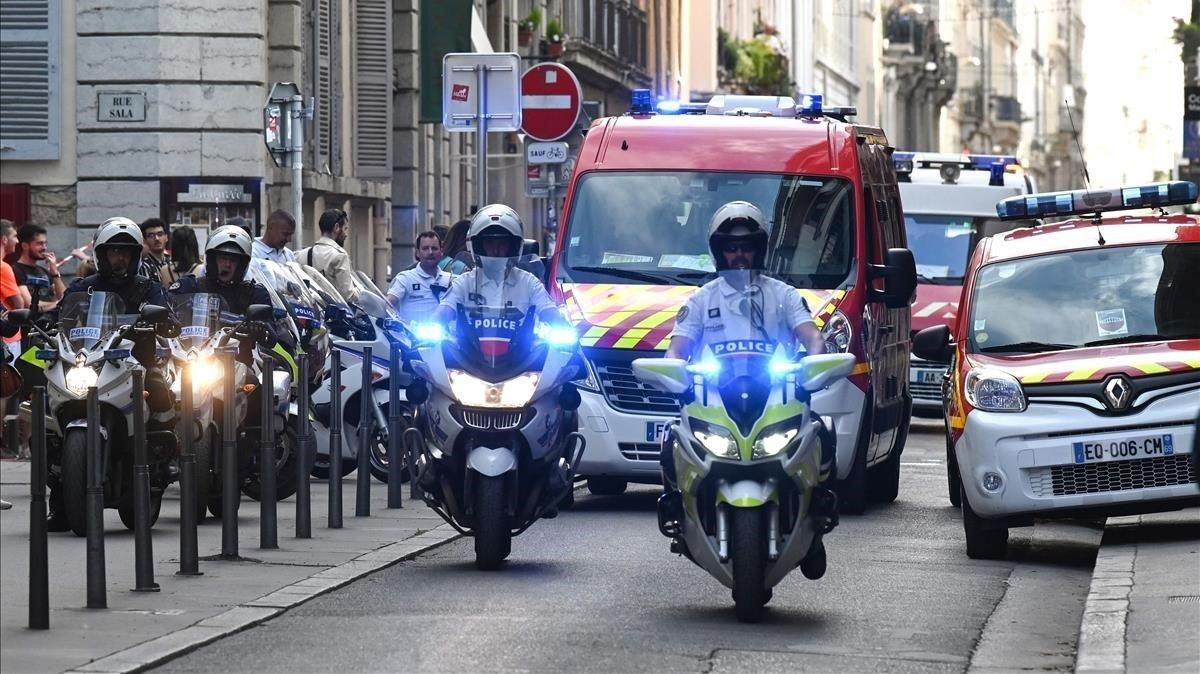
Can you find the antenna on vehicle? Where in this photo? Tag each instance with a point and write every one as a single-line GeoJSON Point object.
{"type": "Point", "coordinates": [1087, 183]}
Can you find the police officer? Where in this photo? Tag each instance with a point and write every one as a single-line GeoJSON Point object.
{"type": "Point", "coordinates": [495, 239]}
{"type": "Point", "coordinates": [118, 251]}
{"type": "Point", "coordinates": [416, 292]}
{"type": "Point", "coordinates": [737, 240]}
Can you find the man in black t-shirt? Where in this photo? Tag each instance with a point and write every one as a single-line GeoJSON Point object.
{"type": "Point", "coordinates": [31, 244]}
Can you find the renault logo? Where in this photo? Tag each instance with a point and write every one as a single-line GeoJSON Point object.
{"type": "Point", "coordinates": [1117, 393]}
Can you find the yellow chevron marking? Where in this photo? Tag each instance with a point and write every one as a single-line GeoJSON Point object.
{"type": "Point", "coordinates": [1034, 378]}
{"type": "Point", "coordinates": [1151, 368]}
{"type": "Point", "coordinates": [631, 338]}
{"type": "Point", "coordinates": [1082, 374]}
{"type": "Point", "coordinates": [1193, 363]}
{"type": "Point", "coordinates": [957, 422]}
{"type": "Point", "coordinates": [861, 368]}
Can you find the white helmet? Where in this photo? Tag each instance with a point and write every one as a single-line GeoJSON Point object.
{"type": "Point", "coordinates": [118, 233]}
{"type": "Point", "coordinates": [496, 221]}
{"type": "Point", "coordinates": [228, 240]}
{"type": "Point", "coordinates": [738, 222]}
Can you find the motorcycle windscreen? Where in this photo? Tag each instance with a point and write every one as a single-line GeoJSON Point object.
{"type": "Point", "coordinates": [200, 317]}
{"type": "Point", "coordinates": [84, 318]}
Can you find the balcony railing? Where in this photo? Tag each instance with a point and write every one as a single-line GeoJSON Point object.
{"type": "Point", "coordinates": [614, 27]}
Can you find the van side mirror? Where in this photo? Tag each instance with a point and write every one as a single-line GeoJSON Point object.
{"type": "Point", "coordinates": [335, 312]}
{"type": "Point", "coordinates": [933, 344]}
{"type": "Point", "coordinates": [899, 273]}
{"type": "Point", "coordinates": [665, 374]}
{"type": "Point", "coordinates": [260, 313]}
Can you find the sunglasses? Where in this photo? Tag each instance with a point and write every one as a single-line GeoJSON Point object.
{"type": "Point", "coordinates": [739, 248]}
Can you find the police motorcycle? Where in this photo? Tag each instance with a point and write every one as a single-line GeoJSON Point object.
{"type": "Point", "coordinates": [500, 441]}
{"type": "Point", "coordinates": [369, 322]}
{"type": "Point", "coordinates": [94, 345]}
{"type": "Point", "coordinates": [745, 455]}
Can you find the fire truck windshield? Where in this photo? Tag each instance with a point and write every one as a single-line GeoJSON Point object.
{"type": "Point", "coordinates": [652, 227]}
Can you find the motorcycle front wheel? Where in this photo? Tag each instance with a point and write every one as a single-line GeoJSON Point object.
{"type": "Point", "coordinates": [285, 468]}
{"type": "Point", "coordinates": [74, 480]}
{"type": "Point", "coordinates": [748, 549]}
{"type": "Point", "coordinates": [493, 537]}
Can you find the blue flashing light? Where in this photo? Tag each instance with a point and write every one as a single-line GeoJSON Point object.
{"type": "Point", "coordinates": [668, 107]}
{"type": "Point", "coordinates": [903, 156]}
{"type": "Point", "coordinates": [810, 104]}
{"type": "Point", "coordinates": [984, 162]}
{"type": "Point", "coordinates": [709, 367]}
{"type": "Point", "coordinates": [429, 332]}
{"type": "Point", "coordinates": [641, 102]}
{"type": "Point", "coordinates": [561, 336]}
{"type": "Point", "coordinates": [996, 177]}
{"type": "Point", "coordinates": [1085, 202]}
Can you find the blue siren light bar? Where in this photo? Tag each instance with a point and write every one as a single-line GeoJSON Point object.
{"type": "Point", "coordinates": [641, 102]}
{"type": "Point", "coordinates": [1090, 202]}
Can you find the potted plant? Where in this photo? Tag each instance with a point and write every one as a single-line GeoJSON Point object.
{"type": "Point", "coordinates": [528, 25]}
{"type": "Point", "coordinates": [554, 38]}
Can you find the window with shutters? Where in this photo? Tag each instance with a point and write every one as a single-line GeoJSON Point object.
{"type": "Point", "coordinates": [323, 78]}
{"type": "Point", "coordinates": [29, 79]}
{"type": "Point", "coordinates": [372, 93]}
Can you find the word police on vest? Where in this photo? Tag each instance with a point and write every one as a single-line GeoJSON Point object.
{"type": "Point", "coordinates": [741, 346]}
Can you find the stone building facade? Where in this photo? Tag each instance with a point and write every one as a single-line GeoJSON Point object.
{"type": "Point", "coordinates": [155, 108]}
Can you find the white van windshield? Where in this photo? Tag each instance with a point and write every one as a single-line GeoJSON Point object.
{"type": "Point", "coordinates": [652, 227]}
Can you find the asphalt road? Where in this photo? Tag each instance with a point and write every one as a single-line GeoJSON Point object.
{"type": "Point", "coordinates": [597, 590]}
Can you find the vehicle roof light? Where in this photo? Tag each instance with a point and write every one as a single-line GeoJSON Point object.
{"type": "Point", "coordinates": [984, 162]}
{"type": "Point", "coordinates": [1089, 202]}
{"type": "Point", "coordinates": [810, 104]}
{"type": "Point", "coordinates": [731, 104]}
{"type": "Point", "coordinates": [641, 102]}
{"type": "Point", "coordinates": [996, 179]}
{"type": "Point", "coordinates": [668, 107]}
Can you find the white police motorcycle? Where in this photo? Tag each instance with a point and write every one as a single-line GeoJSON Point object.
{"type": "Point", "coordinates": [746, 455]}
{"type": "Point", "coordinates": [94, 346]}
{"type": "Point", "coordinates": [499, 444]}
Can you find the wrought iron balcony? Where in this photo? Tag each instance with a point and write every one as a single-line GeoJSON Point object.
{"type": "Point", "coordinates": [609, 37]}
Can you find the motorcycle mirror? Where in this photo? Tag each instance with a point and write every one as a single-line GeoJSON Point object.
{"type": "Point", "coordinates": [417, 392]}
{"type": "Point", "coordinates": [19, 317]}
{"type": "Point", "coordinates": [667, 374]}
{"type": "Point", "coordinates": [820, 371]}
{"type": "Point", "coordinates": [260, 312]}
{"type": "Point", "coordinates": [153, 313]}
{"type": "Point", "coordinates": [279, 313]}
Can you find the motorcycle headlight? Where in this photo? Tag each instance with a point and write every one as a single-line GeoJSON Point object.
{"type": "Point", "coordinates": [589, 382]}
{"type": "Point", "coordinates": [773, 443]}
{"type": "Point", "coordinates": [205, 372]}
{"type": "Point", "coordinates": [717, 440]}
{"type": "Point", "coordinates": [993, 391]}
{"type": "Point", "coordinates": [837, 333]}
{"type": "Point", "coordinates": [474, 392]}
{"type": "Point", "coordinates": [80, 378]}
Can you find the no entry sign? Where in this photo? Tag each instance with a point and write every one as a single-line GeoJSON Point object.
{"type": "Point", "coordinates": [550, 101]}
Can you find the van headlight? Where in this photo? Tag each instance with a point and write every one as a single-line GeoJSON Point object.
{"type": "Point", "coordinates": [837, 333]}
{"type": "Point", "coordinates": [589, 382]}
{"type": "Point", "coordinates": [716, 440]}
{"type": "Point", "coordinates": [993, 391]}
{"type": "Point", "coordinates": [80, 378]}
{"type": "Point", "coordinates": [475, 392]}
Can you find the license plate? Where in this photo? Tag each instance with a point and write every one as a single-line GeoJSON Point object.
{"type": "Point", "coordinates": [1095, 451]}
{"type": "Point", "coordinates": [654, 430]}
{"type": "Point", "coordinates": [925, 376]}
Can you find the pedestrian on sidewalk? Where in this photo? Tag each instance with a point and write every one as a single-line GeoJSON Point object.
{"type": "Point", "coordinates": [155, 235]}
{"type": "Point", "coordinates": [273, 244]}
{"type": "Point", "coordinates": [329, 257]}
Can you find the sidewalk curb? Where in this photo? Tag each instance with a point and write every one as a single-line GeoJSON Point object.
{"type": "Point", "coordinates": [248, 614]}
{"type": "Point", "coordinates": [1101, 646]}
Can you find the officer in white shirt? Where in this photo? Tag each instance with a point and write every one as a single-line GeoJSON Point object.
{"type": "Point", "coordinates": [742, 304]}
{"type": "Point", "coordinates": [495, 239]}
{"type": "Point", "coordinates": [416, 292]}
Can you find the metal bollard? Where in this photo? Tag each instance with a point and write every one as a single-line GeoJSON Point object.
{"type": "Point", "coordinates": [189, 500]}
{"type": "Point", "coordinates": [304, 445]}
{"type": "Point", "coordinates": [366, 422]}
{"type": "Point", "coordinates": [39, 558]}
{"type": "Point", "coordinates": [143, 550]}
{"type": "Point", "coordinates": [335, 442]}
{"type": "Point", "coordinates": [395, 453]}
{"type": "Point", "coordinates": [96, 585]}
{"type": "Point", "coordinates": [268, 533]}
{"type": "Point", "coordinates": [230, 496]}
